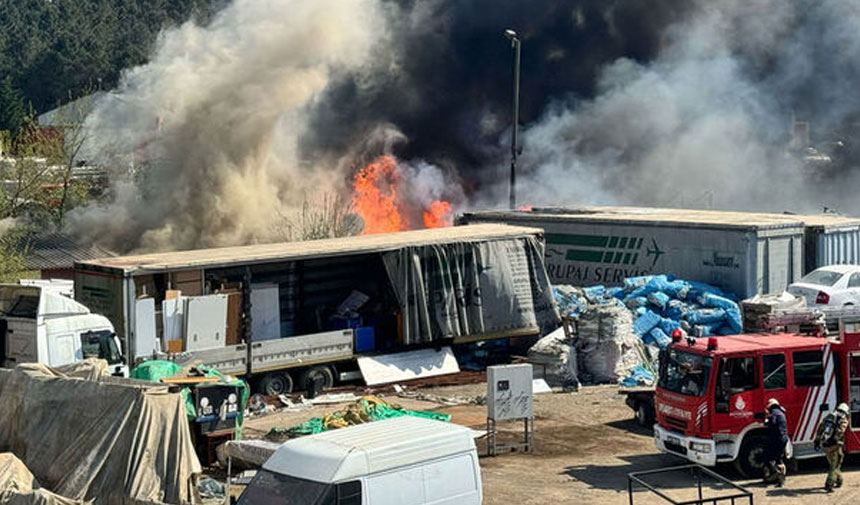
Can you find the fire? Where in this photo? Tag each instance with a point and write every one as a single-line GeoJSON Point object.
{"type": "Point", "coordinates": [438, 215]}
{"type": "Point", "coordinates": [375, 196]}
{"type": "Point", "coordinates": [378, 202]}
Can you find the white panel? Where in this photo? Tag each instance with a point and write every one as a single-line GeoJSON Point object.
{"type": "Point", "coordinates": [509, 392]}
{"type": "Point", "coordinates": [401, 487]}
{"type": "Point", "coordinates": [173, 319]}
{"type": "Point", "coordinates": [205, 322]}
{"type": "Point", "coordinates": [63, 350]}
{"type": "Point", "coordinates": [265, 312]}
{"type": "Point", "coordinates": [407, 365]}
{"type": "Point", "coordinates": [451, 481]}
{"type": "Point", "coordinates": [145, 339]}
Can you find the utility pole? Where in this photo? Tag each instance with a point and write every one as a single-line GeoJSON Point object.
{"type": "Point", "coordinates": [515, 45]}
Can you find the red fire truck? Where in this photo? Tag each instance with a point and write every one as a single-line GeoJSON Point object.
{"type": "Point", "coordinates": [711, 393]}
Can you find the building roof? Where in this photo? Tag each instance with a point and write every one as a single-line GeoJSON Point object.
{"type": "Point", "coordinates": [828, 221]}
{"type": "Point", "coordinates": [54, 251]}
{"type": "Point", "coordinates": [291, 251]}
{"type": "Point", "coordinates": [72, 113]}
{"type": "Point", "coordinates": [649, 216]}
{"type": "Point", "coordinates": [349, 453]}
{"type": "Point", "coordinates": [754, 342]}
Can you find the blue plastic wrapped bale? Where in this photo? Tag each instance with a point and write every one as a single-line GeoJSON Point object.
{"type": "Point", "coordinates": [616, 292]}
{"type": "Point", "coordinates": [669, 326]}
{"type": "Point", "coordinates": [675, 309]}
{"type": "Point", "coordinates": [716, 301]}
{"type": "Point", "coordinates": [706, 330]}
{"type": "Point", "coordinates": [635, 302]}
{"type": "Point", "coordinates": [658, 337]}
{"type": "Point", "coordinates": [594, 293]}
{"type": "Point", "coordinates": [645, 323]}
{"type": "Point", "coordinates": [705, 316]}
{"type": "Point", "coordinates": [640, 376]}
{"type": "Point", "coordinates": [640, 311]}
{"type": "Point", "coordinates": [733, 319]}
{"type": "Point", "coordinates": [632, 283]}
{"type": "Point", "coordinates": [677, 289]}
{"type": "Point", "coordinates": [658, 299]}
{"type": "Point", "coordinates": [725, 329]}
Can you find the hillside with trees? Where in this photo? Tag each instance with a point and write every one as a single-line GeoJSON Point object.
{"type": "Point", "coordinates": [51, 50]}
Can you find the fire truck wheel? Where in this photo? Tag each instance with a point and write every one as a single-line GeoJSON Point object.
{"type": "Point", "coordinates": [323, 373]}
{"type": "Point", "coordinates": [276, 383]}
{"type": "Point", "coordinates": [748, 462]}
{"type": "Point", "coordinates": [644, 415]}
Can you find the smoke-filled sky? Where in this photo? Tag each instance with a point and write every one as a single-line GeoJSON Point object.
{"type": "Point", "coordinates": [234, 125]}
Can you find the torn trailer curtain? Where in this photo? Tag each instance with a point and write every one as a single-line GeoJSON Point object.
{"type": "Point", "coordinates": [110, 440]}
{"type": "Point", "coordinates": [473, 288]}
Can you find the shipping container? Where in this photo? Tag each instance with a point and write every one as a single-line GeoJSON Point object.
{"type": "Point", "coordinates": [830, 240]}
{"type": "Point", "coordinates": [295, 311]}
{"type": "Point", "coordinates": [743, 253]}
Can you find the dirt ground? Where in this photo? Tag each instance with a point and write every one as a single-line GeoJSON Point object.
{"type": "Point", "coordinates": [586, 444]}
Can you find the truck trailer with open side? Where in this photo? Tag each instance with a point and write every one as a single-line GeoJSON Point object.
{"type": "Point", "coordinates": [285, 318]}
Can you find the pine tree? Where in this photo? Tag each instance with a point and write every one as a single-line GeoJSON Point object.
{"type": "Point", "coordinates": [13, 110]}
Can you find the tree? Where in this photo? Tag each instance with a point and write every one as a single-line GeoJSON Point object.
{"type": "Point", "coordinates": [13, 110]}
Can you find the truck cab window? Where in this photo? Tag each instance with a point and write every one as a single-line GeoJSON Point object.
{"type": "Point", "coordinates": [808, 368]}
{"type": "Point", "coordinates": [100, 344]}
{"type": "Point", "coordinates": [773, 370]}
{"type": "Point", "coordinates": [736, 375]}
{"type": "Point", "coordinates": [349, 493]}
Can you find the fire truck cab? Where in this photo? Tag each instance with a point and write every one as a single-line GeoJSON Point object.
{"type": "Point", "coordinates": [711, 394]}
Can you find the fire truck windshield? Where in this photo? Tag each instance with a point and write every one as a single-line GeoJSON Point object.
{"type": "Point", "coordinates": [684, 372]}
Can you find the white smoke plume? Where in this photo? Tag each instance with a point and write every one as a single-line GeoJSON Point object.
{"type": "Point", "coordinates": [707, 122]}
{"type": "Point", "coordinates": [208, 133]}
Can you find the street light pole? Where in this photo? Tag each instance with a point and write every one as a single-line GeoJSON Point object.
{"type": "Point", "coordinates": [515, 45]}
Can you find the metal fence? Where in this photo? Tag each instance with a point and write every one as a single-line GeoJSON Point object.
{"type": "Point", "coordinates": [740, 494]}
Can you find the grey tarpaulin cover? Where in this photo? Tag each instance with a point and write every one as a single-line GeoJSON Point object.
{"type": "Point", "coordinates": [111, 441]}
{"type": "Point", "coordinates": [472, 288]}
{"type": "Point", "coordinates": [19, 487]}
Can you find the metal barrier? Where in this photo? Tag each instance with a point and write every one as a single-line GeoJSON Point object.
{"type": "Point", "coordinates": [738, 497]}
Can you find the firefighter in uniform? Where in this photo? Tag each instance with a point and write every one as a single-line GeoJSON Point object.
{"type": "Point", "coordinates": [777, 429]}
{"type": "Point", "coordinates": [831, 436]}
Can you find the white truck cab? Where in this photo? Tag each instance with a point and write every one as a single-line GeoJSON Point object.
{"type": "Point", "coordinates": [38, 324]}
{"type": "Point", "coordinates": [401, 461]}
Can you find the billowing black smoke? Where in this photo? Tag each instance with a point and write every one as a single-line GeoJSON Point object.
{"type": "Point", "coordinates": [684, 103]}
{"type": "Point", "coordinates": [449, 90]}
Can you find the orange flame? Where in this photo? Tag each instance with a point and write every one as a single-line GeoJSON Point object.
{"type": "Point", "coordinates": [375, 199]}
{"type": "Point", "coordinates": [375, 196]}
{"type": "Point", "coordinates": [438, 215]}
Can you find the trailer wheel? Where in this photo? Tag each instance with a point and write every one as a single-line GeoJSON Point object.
{"type": "Point", "coordinates": [323, 373]}
{"type": "Point", "coordinates": [644, 414]}
{"type": "Point", "coordinates": [276, 383]}
{"type": "Point", "coordinates": [748, 462]}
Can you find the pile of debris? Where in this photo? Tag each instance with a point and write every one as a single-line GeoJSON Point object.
{"type": "Point", "coordinates": [364, 410]}
{"type": "Point", "coordinates": [617, 332]}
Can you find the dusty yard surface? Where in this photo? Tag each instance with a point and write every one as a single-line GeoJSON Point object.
{"type": "Point", "coordinates": [586, 444]}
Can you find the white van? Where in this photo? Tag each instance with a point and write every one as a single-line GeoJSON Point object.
{"type": "Point", "coordinates": [39, 325]}
{"type": "Point", "coordinates": [401, 461]}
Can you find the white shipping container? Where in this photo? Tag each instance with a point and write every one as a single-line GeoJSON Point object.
{"type": "Point", "coordinates": [743, 253]}
{"type": "Point", "coordinates": [831, 240]}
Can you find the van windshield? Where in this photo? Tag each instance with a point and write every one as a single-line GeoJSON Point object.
{"type": "Point", "coordinates": [685, 373]}
{"type": "Point", "coordinates": [270, 488]}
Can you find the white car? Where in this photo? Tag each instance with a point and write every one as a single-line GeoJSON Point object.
{"type": "Point", "coordinates": [834, 286]}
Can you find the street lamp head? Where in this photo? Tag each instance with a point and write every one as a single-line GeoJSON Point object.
{"type": "Point", "coordinates": [511, 35]}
